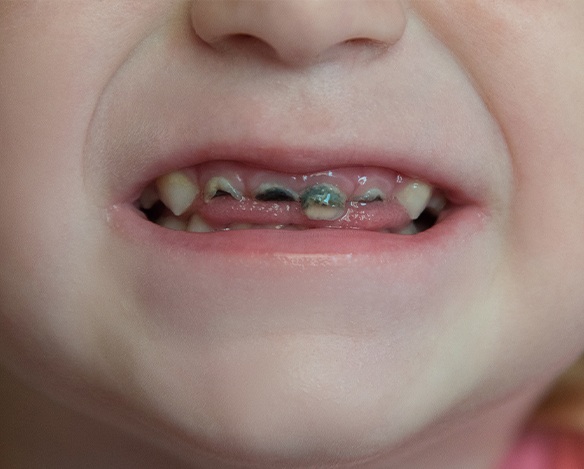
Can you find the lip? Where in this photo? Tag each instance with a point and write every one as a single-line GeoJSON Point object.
{"type": "Point", "coordinates": [456, 226]}
{"type": "Point", "coordinates": [469, 197]}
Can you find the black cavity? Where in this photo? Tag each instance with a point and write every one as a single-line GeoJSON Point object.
{"type": "Point", "coordinates": [276, 194]}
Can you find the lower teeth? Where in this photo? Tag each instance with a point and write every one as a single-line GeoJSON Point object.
{"type": "Point", "coordinates": [197, 224]}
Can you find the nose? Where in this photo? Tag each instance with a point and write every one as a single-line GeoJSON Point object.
{"type": "Point", "coordinates": [299, 31]}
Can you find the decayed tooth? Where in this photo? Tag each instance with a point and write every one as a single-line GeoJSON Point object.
{"type": "Point", "coordinates": [177, 191]}
{"type": "Point", "coordinates": [219, 183]}
{"type": "Point", "coordinates": [371, 195]}
{"type": "Point", "coordinates": [414, 197]}
{"type": "Point", "coordinates": [275, 193]}
{"type": "Point", "coordinates": [198, 225]}
{"type": "Point", "coordinates": [149, 197]}
{"type": "Point", "coordinates": [323, 202]}
{"type": "Point", "coordinates": [172, 223]}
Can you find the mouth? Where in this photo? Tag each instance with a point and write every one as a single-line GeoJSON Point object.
{"type": "Point", "coordinates": [224, 196]}
{"type": "Point", "coordinates": [295, 205]}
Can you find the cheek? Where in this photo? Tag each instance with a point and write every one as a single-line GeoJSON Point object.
{"type": "Point", "coordinates": [511, 50]}
{"type": "Point", "coordinates": [538, 98]}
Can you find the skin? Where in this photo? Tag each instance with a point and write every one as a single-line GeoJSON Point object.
{"type": "Point", "coordinates": [94, 370]}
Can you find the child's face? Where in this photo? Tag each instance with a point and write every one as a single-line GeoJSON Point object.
{"type": "Point", "coordinates": [288, 343]}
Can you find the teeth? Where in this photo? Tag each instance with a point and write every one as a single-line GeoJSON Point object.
{"type": "Point", "coordinates": [220, 184]}
{"type": "Point", "coordinates": [372, 195]}
{"type": "Point", "coordinates": [414, 197]}
{"type": "Point", "coordinates": [177, 191]}
{"type": "Point", "coordinates": [275, 193]}
{"type": "Point", "coordinates": [172, 223]}
{"type": "Point", "coordinates": [198, 225]}
{"type": "Point", "coordinates": [409, 229]}
{"type": "Point", "coordinates": [149, 197]}
{"type": "Point", "coordinates": [323, 202]}
{"type": "Point", "coordinates": [436, 204]}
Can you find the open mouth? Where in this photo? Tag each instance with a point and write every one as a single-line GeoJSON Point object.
{"type": "Point", "coordinates": [227, 196]}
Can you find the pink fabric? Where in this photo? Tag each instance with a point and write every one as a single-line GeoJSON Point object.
{"type": "Point", "coordinates": [547, 450]}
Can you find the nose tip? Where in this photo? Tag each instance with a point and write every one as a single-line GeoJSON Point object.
{"type": "Point", "coordinates": [299, 31]}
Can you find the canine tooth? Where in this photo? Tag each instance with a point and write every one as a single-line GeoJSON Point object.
{"type": "Point", "coordinates": [172, 223]}
{"type": "Point", "coordinates": [219, 183]}
{"type": "Point", "coordinates": [177, 191]}
{"type": "Point", "coordinates": [323, 202]}
{"type": "Point", "coordinates": [149, 197]}
{"type": "Point", "coordinates": [198, 225]}
{"type": "Point", "coordinates": [275, 193]}
{"type": "Point", "coordinates": [414, 197]}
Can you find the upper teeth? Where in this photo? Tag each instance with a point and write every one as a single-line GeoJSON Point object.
{"type": "Point", "coordinates": [371, 195]}
{"type": "Point", "coordinates": [323, 202]}
{"type": "Point", "coordinates": [414, 197]}
{"type": "Point", "coordinates": [216, 184]}
{"type": "Point", "coordinates": [275, 192]}
{"type": "Point", "coordinates": [177, 191]}
{"type": "Point", "coordinates": [149, 197]}
{"type": "Point", "coordinates": [436, 203]}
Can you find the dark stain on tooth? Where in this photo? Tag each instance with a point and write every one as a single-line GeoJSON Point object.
{"type": "Point", "coordinates": [276, 194]}
{"type": "Point", "coordinates": [367, 200]}
{"type": "Point", "coordinates": [325, 195]}
{"type": "Point", "coordinates": [372, 195]}
{"type": "Point", "coordinates": [222, 193]}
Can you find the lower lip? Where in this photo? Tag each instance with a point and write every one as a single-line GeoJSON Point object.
{"type": "Point", "coordinates": [453, 229]}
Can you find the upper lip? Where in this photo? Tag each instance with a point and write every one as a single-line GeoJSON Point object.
{"type": "Point", "coordinates": [427, 143]}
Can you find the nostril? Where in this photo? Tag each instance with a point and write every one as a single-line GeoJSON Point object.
{"type": "Point", "coordinates": [241, 44]}
{"type": "Point", "coordinates": [298, 32]}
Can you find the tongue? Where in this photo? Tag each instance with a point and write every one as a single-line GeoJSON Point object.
{"type": "Point", "coordinates": [225, 211]}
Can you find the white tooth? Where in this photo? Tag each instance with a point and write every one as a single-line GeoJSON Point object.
{"type": "Point", "coordinates": [414, 197]}
{"type": "Point", "coordinates": [177, 191]}
{"type": "Point", "coordinates": [437, 203]}
{"type": "Point", "coordinates": [149, 197]}
{"type": "Point", "coordinates": [198, 225]}
{"type": "Point", "coordinates": [409, 229]}
{"type": "Point", "coordinates": [219, 183]}
{"type": "Point", "coordinates": [172, 223]}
